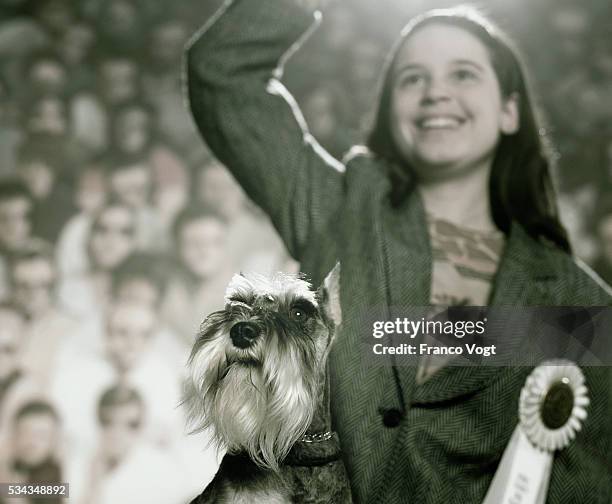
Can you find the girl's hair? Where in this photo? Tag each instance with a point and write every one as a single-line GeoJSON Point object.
{"type": "Point", "coordinates": [520, 185]}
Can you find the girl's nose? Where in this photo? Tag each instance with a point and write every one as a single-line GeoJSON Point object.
{"type": "Point", "coordinates": [434, 91]}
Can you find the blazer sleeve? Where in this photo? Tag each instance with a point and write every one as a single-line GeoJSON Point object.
{"type": "Point", "coordinates": [252, 123]}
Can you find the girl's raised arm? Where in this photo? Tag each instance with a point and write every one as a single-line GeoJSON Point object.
{"type": "Point", "coordinates": [251, 122]}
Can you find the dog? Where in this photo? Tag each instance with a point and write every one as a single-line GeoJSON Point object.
{"type": "Point", "coordinates": [258, 380]}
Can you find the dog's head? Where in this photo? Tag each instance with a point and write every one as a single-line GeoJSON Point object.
{"type": "Point", "coordinates": [257, 367]}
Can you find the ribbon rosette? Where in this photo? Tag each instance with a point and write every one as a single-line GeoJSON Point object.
{"type": "Point", "coordinates": [553, 405]}
{"type": "Point", "coordinates": [552, 408]}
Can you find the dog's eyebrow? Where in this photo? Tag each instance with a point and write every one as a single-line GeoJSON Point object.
{"type": "Point", "coordinates": [305, 305]}
{"type": "Point", "coordinates": [239, 299]}
{"type": "Point", "coordinates": [239, 296]}
{"type": "Point", "coordinates": [240, 303]}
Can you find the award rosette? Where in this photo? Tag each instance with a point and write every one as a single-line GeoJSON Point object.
{"type": "Point", "coordinates": [552, 408]}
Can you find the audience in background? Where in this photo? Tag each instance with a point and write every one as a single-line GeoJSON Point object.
{"type": "Point", "coordinates": [119, 230]}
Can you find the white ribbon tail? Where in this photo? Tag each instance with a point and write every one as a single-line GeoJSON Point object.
{"type": "Point", "coordinates": [523, 473]}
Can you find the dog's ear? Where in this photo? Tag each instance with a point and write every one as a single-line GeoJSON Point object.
{"type": "Point", "coordinates": [329, 295]}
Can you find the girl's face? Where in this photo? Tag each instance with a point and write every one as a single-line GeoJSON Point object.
{"type": "Point", "coordinates": [447, 111]}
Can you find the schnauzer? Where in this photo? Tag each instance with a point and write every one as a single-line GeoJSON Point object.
{"type": "Point", "coordinates": [258, 379]}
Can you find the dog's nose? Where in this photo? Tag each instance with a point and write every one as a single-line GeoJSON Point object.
{"type": "Point", "coordinates": [243, 334]}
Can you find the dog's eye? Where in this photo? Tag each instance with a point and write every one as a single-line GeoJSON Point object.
{"type": "Point", "coordinates": [302, 310]}
{"type": "Point", "coordinates": [298, 314]}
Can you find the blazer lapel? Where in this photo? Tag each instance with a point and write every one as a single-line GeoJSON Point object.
{"type": "Point", "coordinates": [524, 270]}
{"type": "Point", "coordinates": [406, 235]}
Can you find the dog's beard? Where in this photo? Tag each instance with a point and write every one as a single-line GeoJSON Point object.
{"type": "Point", "coordinates": [258, 405]}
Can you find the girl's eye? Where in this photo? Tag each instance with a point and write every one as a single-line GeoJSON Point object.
{"type": "Point", "coordinates": [298, 314]}
{"type": "Point", "coordinates": [463, 75]}
{"type": "Point", "coordinates": [412, 79]}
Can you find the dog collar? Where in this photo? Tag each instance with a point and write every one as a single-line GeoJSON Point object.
{"type": "Point", "coordinates": [316, 438]}
{"type": "Point", "coordinates": [315, 450]}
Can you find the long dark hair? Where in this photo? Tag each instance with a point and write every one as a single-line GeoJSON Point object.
{"type": "Point", "coordinates": [520, 185]}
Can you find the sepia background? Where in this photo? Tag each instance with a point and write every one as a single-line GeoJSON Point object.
{"type": "Point", "coordinates": [119, 230]}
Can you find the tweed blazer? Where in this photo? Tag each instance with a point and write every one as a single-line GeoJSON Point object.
{"type": "Point", "coordinates": [436, 442]}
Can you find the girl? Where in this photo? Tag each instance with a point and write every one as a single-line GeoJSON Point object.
{"type": "Point", "coordinates": [450, 203]}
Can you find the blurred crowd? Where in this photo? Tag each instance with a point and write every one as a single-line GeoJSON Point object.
{"type": "Point", "coordinates": [119, 230]}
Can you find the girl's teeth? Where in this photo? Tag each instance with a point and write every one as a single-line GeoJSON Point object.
{"type": "Point", "coordinates": [440, 122]}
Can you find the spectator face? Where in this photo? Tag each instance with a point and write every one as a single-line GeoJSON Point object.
{"type": "Point", "coordinates": [76, 44]}
{"type": "Point", "coordinates": [39, 177]}
{"type": "Point", "coordinates": [119, 19]}
{"type": "Point", "coordinates": [133, 130]}
{"type": "Point", "coordinates": [604, 230]}
{"type": "Point", "coordinates": [33, 281]}
{"type": "Point", "coordinates": [139, 291]}
{"type": "Point", "coordinates": [120, 431]}
{"type": "Point", "coordinates": [570, 20]}
{"type": "Point", "coordinates": [119, 80]}
{"type": "Point", "coordinates": [35, 439]}
{"type": "Point", "coordinates": [112, 238]}
{"type": "Point", "coordinates": [11, 331]}
{"type": "Point", "coordinates": [447, 108]}
{"type": "Point", "coordinates": [55, 15]}
{"type": "Point", "coordinates": [132, 185]}
{"type": "Point", "coordinates": [48, 115]}
{"type": "Point", "coordinates": [91, 190]}
{"type": "Point", "coordinates": [322, 113]}
{"type": "Point", "coordinates": [344, 21]}
{"type": "Point", "coordinates": [219, 190]}
{"type": "Point", "coordinates": [202, 246]}
{"type": "Point", "coordinates": [167, 43]}
{"type": "Point", "coordinates": [47, 77]}
{"type": "Point", "coordinates": [130, 329]}
{"type": "Point", "coordinates": [15, 225]}
{"type": "Point", "coordinates": [365, 65]}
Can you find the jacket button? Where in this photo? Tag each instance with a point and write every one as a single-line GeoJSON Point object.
{"type": "Point", "coordinates": [391, 417]}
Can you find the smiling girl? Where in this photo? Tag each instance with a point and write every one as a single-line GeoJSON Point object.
{"type": "Point", "coordinates": [450, 202]}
